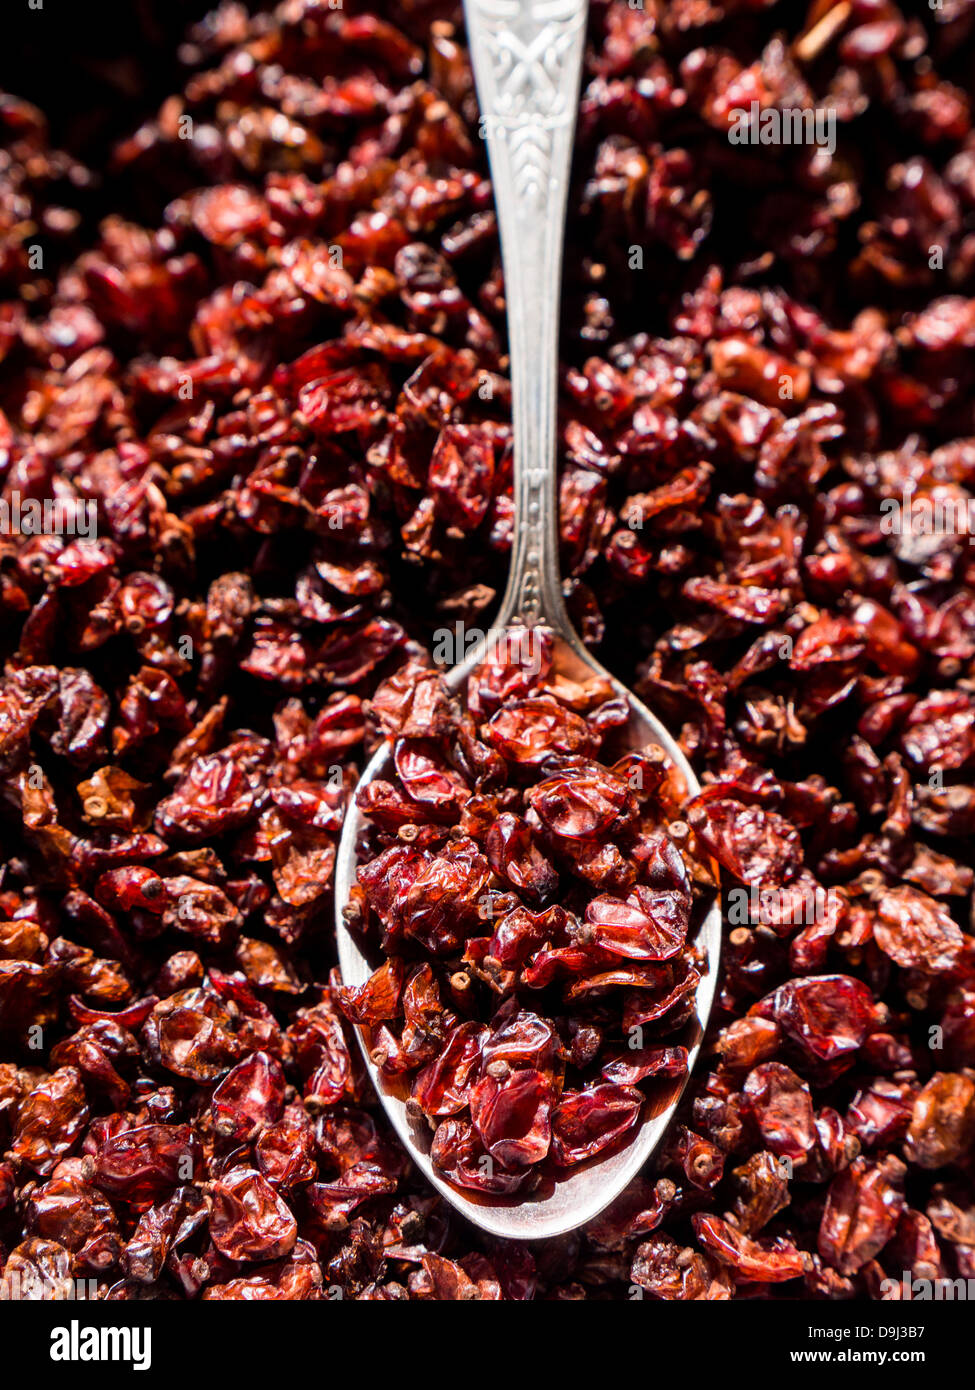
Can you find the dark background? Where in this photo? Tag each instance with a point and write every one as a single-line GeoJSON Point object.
{"type": "Point", "coordinates": [96, 68]}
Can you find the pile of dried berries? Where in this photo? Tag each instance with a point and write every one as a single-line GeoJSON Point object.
{"type": "Point", "coordinates": [506, 854]}
{"type": "Point", "coordinates": [275, 378]}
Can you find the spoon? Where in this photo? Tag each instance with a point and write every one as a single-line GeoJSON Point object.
{"type": "Point", "coordinates": [527, 58]}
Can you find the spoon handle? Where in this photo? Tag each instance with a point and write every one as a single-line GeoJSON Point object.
{"type": "Point", "coordinates": [527, 58]}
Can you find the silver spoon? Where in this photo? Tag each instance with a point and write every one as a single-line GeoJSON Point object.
{"type": "Point", "coordinates": [527, 58]}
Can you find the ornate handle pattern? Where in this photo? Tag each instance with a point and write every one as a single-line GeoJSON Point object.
{"type": "Point", "coordinates": [527, 58]}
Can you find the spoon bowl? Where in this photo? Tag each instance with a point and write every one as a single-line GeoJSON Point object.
{"type": "Point", "coordinates": [555, 1206]}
